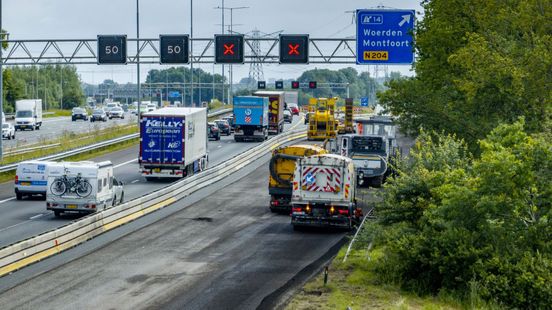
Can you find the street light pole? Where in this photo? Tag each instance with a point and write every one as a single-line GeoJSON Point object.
{"type": "Point", "coordinates": [138, 61]}
{"type": "Point", "coordinates": [222, 11]}
{"type": "Point", "coordinates": [1, 81]}
{"type": "Point", "coordinates": [192, 51]}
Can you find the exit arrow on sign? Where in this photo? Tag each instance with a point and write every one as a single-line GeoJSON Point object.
{"type": "Point", "coordinates": [406, 19]}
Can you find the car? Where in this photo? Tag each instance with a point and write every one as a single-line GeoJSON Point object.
{"type": "Point", "coordinates": [98, 115]}
{"type": "Point", "coordinates": [213, 131]}
{"type": "Point", "coordinates": [109, 106]}
{"type": "Point", "coordinates": [151, 107]}
{"type": "Point", "coordinates": [8, 131]}
{"type": "Point", "coordinates": [117, 112]}
{"type": "Point", "coordinates": [307, 116]}
{"type": "Point", "coordinates": [133, 110]}
{"type": "Point", "coordinates": [230, 120]}
{"type": "Point", "coordinates": [288, 117]}
{"type": "Point", "coordinates": [79, 113]}
{"type": "Point", "coordinates": [293, 108]}
{"type": "Point", "coordinates": [223, 126]}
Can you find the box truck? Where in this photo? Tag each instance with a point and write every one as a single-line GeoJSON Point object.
{"type": "Point", "coordinates": [251, 118]}
{"type": "Point", "coordinates": [173, 142]}
{"type": "Point", "coordinates": [28, 114]}
{"type": "Point", "coordinates": [276, 105]}
{"type": "Point", "coordinates": [82, 187]}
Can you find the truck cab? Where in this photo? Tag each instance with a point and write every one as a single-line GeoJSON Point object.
{"type": "Point", "coordinates": [28, 114]}
{"type": "Point", "coordinates": [370, 157]}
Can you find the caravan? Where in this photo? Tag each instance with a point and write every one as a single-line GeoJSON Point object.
{"type": "Point", "coordinates": [82, 187]}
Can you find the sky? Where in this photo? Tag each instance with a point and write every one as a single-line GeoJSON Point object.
{"type": "Point", "coordinates": [85, 19]}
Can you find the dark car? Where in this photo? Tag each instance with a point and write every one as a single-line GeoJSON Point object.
{"type": "Point", "coordinates": [288, 118]}
{"type": "Point", "coordinates": [307, 116]}
{"type": "Point", "coordinates": [79, 113]}
{"type": "Point", "coordinates": [224, 127]}
{"type": "Point", "coordinates": [98, 115]}
{"type": "Point", "coordinates": [213, 131]}
{"type": "Point", "coordinates": [230, 120]}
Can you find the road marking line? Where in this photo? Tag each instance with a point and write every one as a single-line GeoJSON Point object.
{"type": "Point", "coordinates": [219, 146]}
{"type": "Point", "coordinates": [6, 200]}
{"type": "Point", "coordinates": [135, 181]}
{"type": "Point", "coordinates": [125, 163]}
{"type": "Point", "coordinates": [36, 216]}
{"type": "Point", "coordinates": [9, 227]}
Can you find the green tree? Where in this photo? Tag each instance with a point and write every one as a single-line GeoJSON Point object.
{"type": "Point", "coordinates": [480, 63]}
{"type": "Point", "coordinates": [454, 222]}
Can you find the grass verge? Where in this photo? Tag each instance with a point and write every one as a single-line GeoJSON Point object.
{"type": "Point", "coordinates": [353, 285]}
{"type": "Point", "coordinates": [56, 113]}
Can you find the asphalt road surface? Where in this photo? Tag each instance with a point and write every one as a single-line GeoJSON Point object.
{"type": "Point", "coordinates": [20, 220]}
{"type": "Point", "coordinates": [226, 250]}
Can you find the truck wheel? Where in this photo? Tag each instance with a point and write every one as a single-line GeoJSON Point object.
{"type": "Point", "coordinates": [297, 228]}
{"type": "Point", "coordinates": [57, 213]}
{"type": "Point", "coordinates": [114, 203]}
{"type": "Point", "coordinates": [377, 181]}
{"type": "Point", "coordinates": [149, 179]}
{"type": "Point", "coordinates": [122, 198]}
{"type": "Point", "coordinates": [18, 196]}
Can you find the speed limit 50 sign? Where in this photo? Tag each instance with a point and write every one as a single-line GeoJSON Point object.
{"type": "Point", "coordinates": [112, 49]}
{"type": "Point", "coordinates": [173, 49]}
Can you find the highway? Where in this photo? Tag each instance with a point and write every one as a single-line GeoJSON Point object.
{"type": "Point", "coordinates": [23, 219]}
{"type": "Point", "coordinates": [221, 248]}
{"type": "Point", "coordinates": [56, 126]}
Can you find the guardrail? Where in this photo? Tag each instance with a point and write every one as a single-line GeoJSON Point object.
{"type": "Point", "coordinates": [87, 148]}
{"type": "Point", "coordinates": [26, 252]}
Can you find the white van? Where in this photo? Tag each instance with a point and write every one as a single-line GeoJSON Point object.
{"type": "Point", "coordinates": [31, 178]}
{"type": "Point", "coordinates": [82, 187]}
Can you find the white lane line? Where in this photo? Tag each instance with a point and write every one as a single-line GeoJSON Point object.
{"type": "Point", "coordinates": [36, 216]}
{"type": "Point", "coordinates": [219, 146]}
{"type": "Point", "coordinates": [6, 200]}
{"type": "Point", "coordinates": [135, 181]}
{"type": "Point", "coordinates": [13, 226]}
{"type": "Point", "coordinates": [125, 163]}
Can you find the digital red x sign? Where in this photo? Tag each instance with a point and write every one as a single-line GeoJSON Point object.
{"type": "Point", "coordinates": [229, 49]}
{"type": "Point", "coordinates": [294, 49]}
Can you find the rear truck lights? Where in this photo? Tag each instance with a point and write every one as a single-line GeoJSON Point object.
{"type": "Point", "coordinates": [16, 179]}
{"type": "Point", "coordinates": [332, 210]}
{"type": "Point", "coordinates": [343, 212]}
{"type": "Point", "coordinates": [275, 203]}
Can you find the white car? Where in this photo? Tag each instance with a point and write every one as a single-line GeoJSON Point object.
{"type": "Point", "coordinates": [152, 107]}
{"type": "Point", "coordinates": [117, 112]}
{"type": "Point", "coordinates": [8, 131]}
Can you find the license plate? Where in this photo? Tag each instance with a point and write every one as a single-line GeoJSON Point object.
{"type": "Point", "coordinates": [157, 170]}
{"type": "Point", "coordinates": [71, 206]}
{"type": "Point", "coordinates": [25, 183]}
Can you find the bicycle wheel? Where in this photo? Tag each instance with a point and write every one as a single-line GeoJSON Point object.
{"type": "Point", "coordinates": [58, 188]}
{"type": "Point", "coordinates": [84, 189]}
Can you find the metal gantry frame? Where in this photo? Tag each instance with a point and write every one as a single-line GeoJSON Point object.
{"type": "Point", "coordinates": [84, 51]}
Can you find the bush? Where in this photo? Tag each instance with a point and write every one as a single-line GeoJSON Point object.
{"type": "Point", "coordinates": [451, 222]}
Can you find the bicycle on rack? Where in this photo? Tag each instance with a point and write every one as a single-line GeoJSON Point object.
{"type": "Point", "coordinates": [77, 185]}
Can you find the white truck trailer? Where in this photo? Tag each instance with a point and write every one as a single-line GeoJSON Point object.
{"type": "Point", "coordinates": [173, 142]}
{"type": "Point", "coordinates": [324, 192]}
{"type": "Point", "coordinates": [28, 114]}
{"type": "Point", "coordinates": [82, 187]}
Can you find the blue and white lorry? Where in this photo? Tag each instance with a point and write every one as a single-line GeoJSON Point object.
{"type": "Point", "coordinates": [250, 118]}
{"type": "Point", "coordinates": [173, 142]}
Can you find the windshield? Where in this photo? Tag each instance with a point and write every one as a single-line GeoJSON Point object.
{"type": "Point", "coordinates": [111, 105]}
{"type": "Point", "coordinates": [380, 129]}
{"type": "Point", "coordinates": [24, 114]}
{"type": "Point", "coordinates": [78, 110]}
{"type": "Point", "coordinates": [98, 112]}
{"type": "Point", "coordinates": [368, 145]}
{"type": "Point", "coordinates": [5, 126]}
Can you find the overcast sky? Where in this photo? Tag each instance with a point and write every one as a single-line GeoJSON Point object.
{"type": "Point", "coordinates": [85, 19]}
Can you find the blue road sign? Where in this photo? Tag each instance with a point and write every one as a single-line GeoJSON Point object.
{"type": "Point", "coordinates": [364, 101]}
{"type": "Point", "coordinates": [385, 36]}
{"type": "Point", "coordinates": [174, 94]}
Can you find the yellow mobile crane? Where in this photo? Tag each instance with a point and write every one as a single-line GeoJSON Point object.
{"type": "Point", "coordinates": [322, 122]}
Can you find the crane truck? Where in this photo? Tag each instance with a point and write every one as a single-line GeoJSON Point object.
{"type": "Point", "coordinates": [324, 193]}
{"type": "Point", "coordinates": [282, 167]}
{"type": "Point", "coordinates": [322, 122]}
